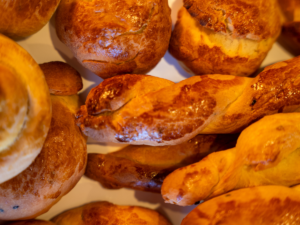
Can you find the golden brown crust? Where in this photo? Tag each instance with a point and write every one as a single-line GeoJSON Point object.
{"type": "Point", "coordinates": [24, 127]}
{"type": "Point", "coordinates": [55, 171]}
{"type": "Point", "coordinates": [108, 213]}
{"type": "Point", "coordinates": [201, 104]}
{"type": "Point", "coordinates": [110, 37]}
{"type": "Point", "coordinates": [21, 18]}
{"type": "Point", "coordinates": [62, 79]}
{"type": "Point", "coordinates": [253, 19]}
{"type": "Point", "coordinates": [145, 167]}
{"type": "Point", "coordinates": [206, 51]}
{"type": "Point", "coordinates": [267, 153]}
{"type": "Point", "coordinates": [260, 205]}
{"type": "Point", "coordinates": [111, 94]}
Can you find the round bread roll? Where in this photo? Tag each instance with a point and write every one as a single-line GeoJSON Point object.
{"type": "Point", "coordinates": [109, 214]}
{"type": "Point", "coordinates": [25, 109]}
{"type": "Point", "coordinates": [112, 37]}
{"type": "Point", "coordinates": [21, 18]}
{"type": "Point", "coordinates": [54, 172]}
{"type": "Point", "coordinates": [225, 37]}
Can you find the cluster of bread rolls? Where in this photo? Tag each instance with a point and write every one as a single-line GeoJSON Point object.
{"type": "Point", "coordinates": [177, 129]}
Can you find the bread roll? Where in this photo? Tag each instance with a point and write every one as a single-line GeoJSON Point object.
{"type": "Point", "coordinates": [108, 213]}
{"type": "Point", "coordinates": [54, 172]}
{"type": "Point", "coordinates": [266, 153]}
{"type": "Point", "coordinates": [144, 167]}
{"type": "Point", "coordinates": [115, 37]}
{"type": "Point", "coordinates": [21, 18]}
{"type": "Point", "coordinates": [173, 114]}
{"type": "Point", "coordinates": [224, 37]}
{"type": "Point", "coordinates": [25, 109]}
{"type": "Point", "coordinates": [259, 205]}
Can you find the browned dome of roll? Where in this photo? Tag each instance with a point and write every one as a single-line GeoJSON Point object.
{"type": "Point", "coordinates": [22, 18]}
{"type": "Point", "coordinates": [225, 37]}
{"type": "Point", "coordinates": [115, 37]}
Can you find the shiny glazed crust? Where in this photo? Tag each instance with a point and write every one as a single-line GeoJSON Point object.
{"type": "Point", "coordinates": [25, 110]}
{"type": "Point", "coordinates": [267, 153]}
{"type": "Point", "coordinates": [109, 214]}
{"type": "Point", "coordinates": [21, 18]}
{"type": "Point", "coordinates": [202, 104]}
{"type": "Point", "coordinates": [215, 46]}
{"type": "Point", "coordinates": [54, 172]}
{"type": "Point", "coordinates": [115, 37]}
{"type": "Point", "coordinates": [260, 205]}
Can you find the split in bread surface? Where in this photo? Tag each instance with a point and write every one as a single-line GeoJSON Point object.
{"type": "Point", "coordinates": [143, 167]}
{"type": "Point", "coordinates": [25, 109]}
{"type": "Point", "coordinates": [174, 113]}
{"type": "Point", "coordinates": [258, 205]}
{"type": "Point", "coordinates": [266, 153]}
{"type": "Point", "coordinates": [115, 37]}
{"type": "Point", "coordinates": [224, 37]}
{"type": "Point", "coordinates": [22, 18]}
{"type": "Point", "coordinates": [108, 213]}
{"type": "Point", "coordinates": [55, 171]}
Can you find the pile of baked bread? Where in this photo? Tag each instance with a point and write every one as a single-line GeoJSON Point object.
{"type": "Point", "coordinates": [227, 138]}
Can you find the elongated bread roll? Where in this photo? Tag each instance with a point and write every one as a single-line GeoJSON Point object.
{"type": "Point", "coordinates": [172, 114]}
{"type": "Point", "coordinates": [267, 153]}
{"type": "Point", "coordinates": [25, 109]}
{"type": "Point", "coordinates": [145, 167]}
{"type": "Point", "coordinates": [259, 205]}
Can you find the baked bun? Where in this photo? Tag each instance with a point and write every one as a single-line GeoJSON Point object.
{"type": "Point", "coordinates": [54, 172]}
{"type": "Point", "coordinates": [21, 18]}
{"type": "Point", "coordinates": [25, 109]}
{"type": "Point", "coordinates": [266, 153]}
{"type": "Point", "coordinates": [260, 205]}
{"type": "Point", "coordinates": [175, 113]}
{"type": "Point", "coordinates": [225, 37]}
{"type": "Point", "coordinates": [108, 213]}
{"type": "Point", "coordinates": [112, 37]}
{"type": "Point", "coordinates": [143, 167]}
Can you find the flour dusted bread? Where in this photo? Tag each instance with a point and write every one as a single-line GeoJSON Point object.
{"type": "Point", "coordinates": [172, 114]}
{"type": "Point", "coordinates": [54, 172]}
{"type": "Point", "coordinates": [25, 109]}
{"type": "Point", "coordinates": [259, 205]}
{"type": "Point", "coordinates": [22, 18]}
{"type": "Point", "coordinates": [224, 37]}
{"type": "Point", "coordinates": [266, 153]}
{"type": "Point", "coordinates": [108, 213]}
{"type": "Point", "coordinates": [115, 37]}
